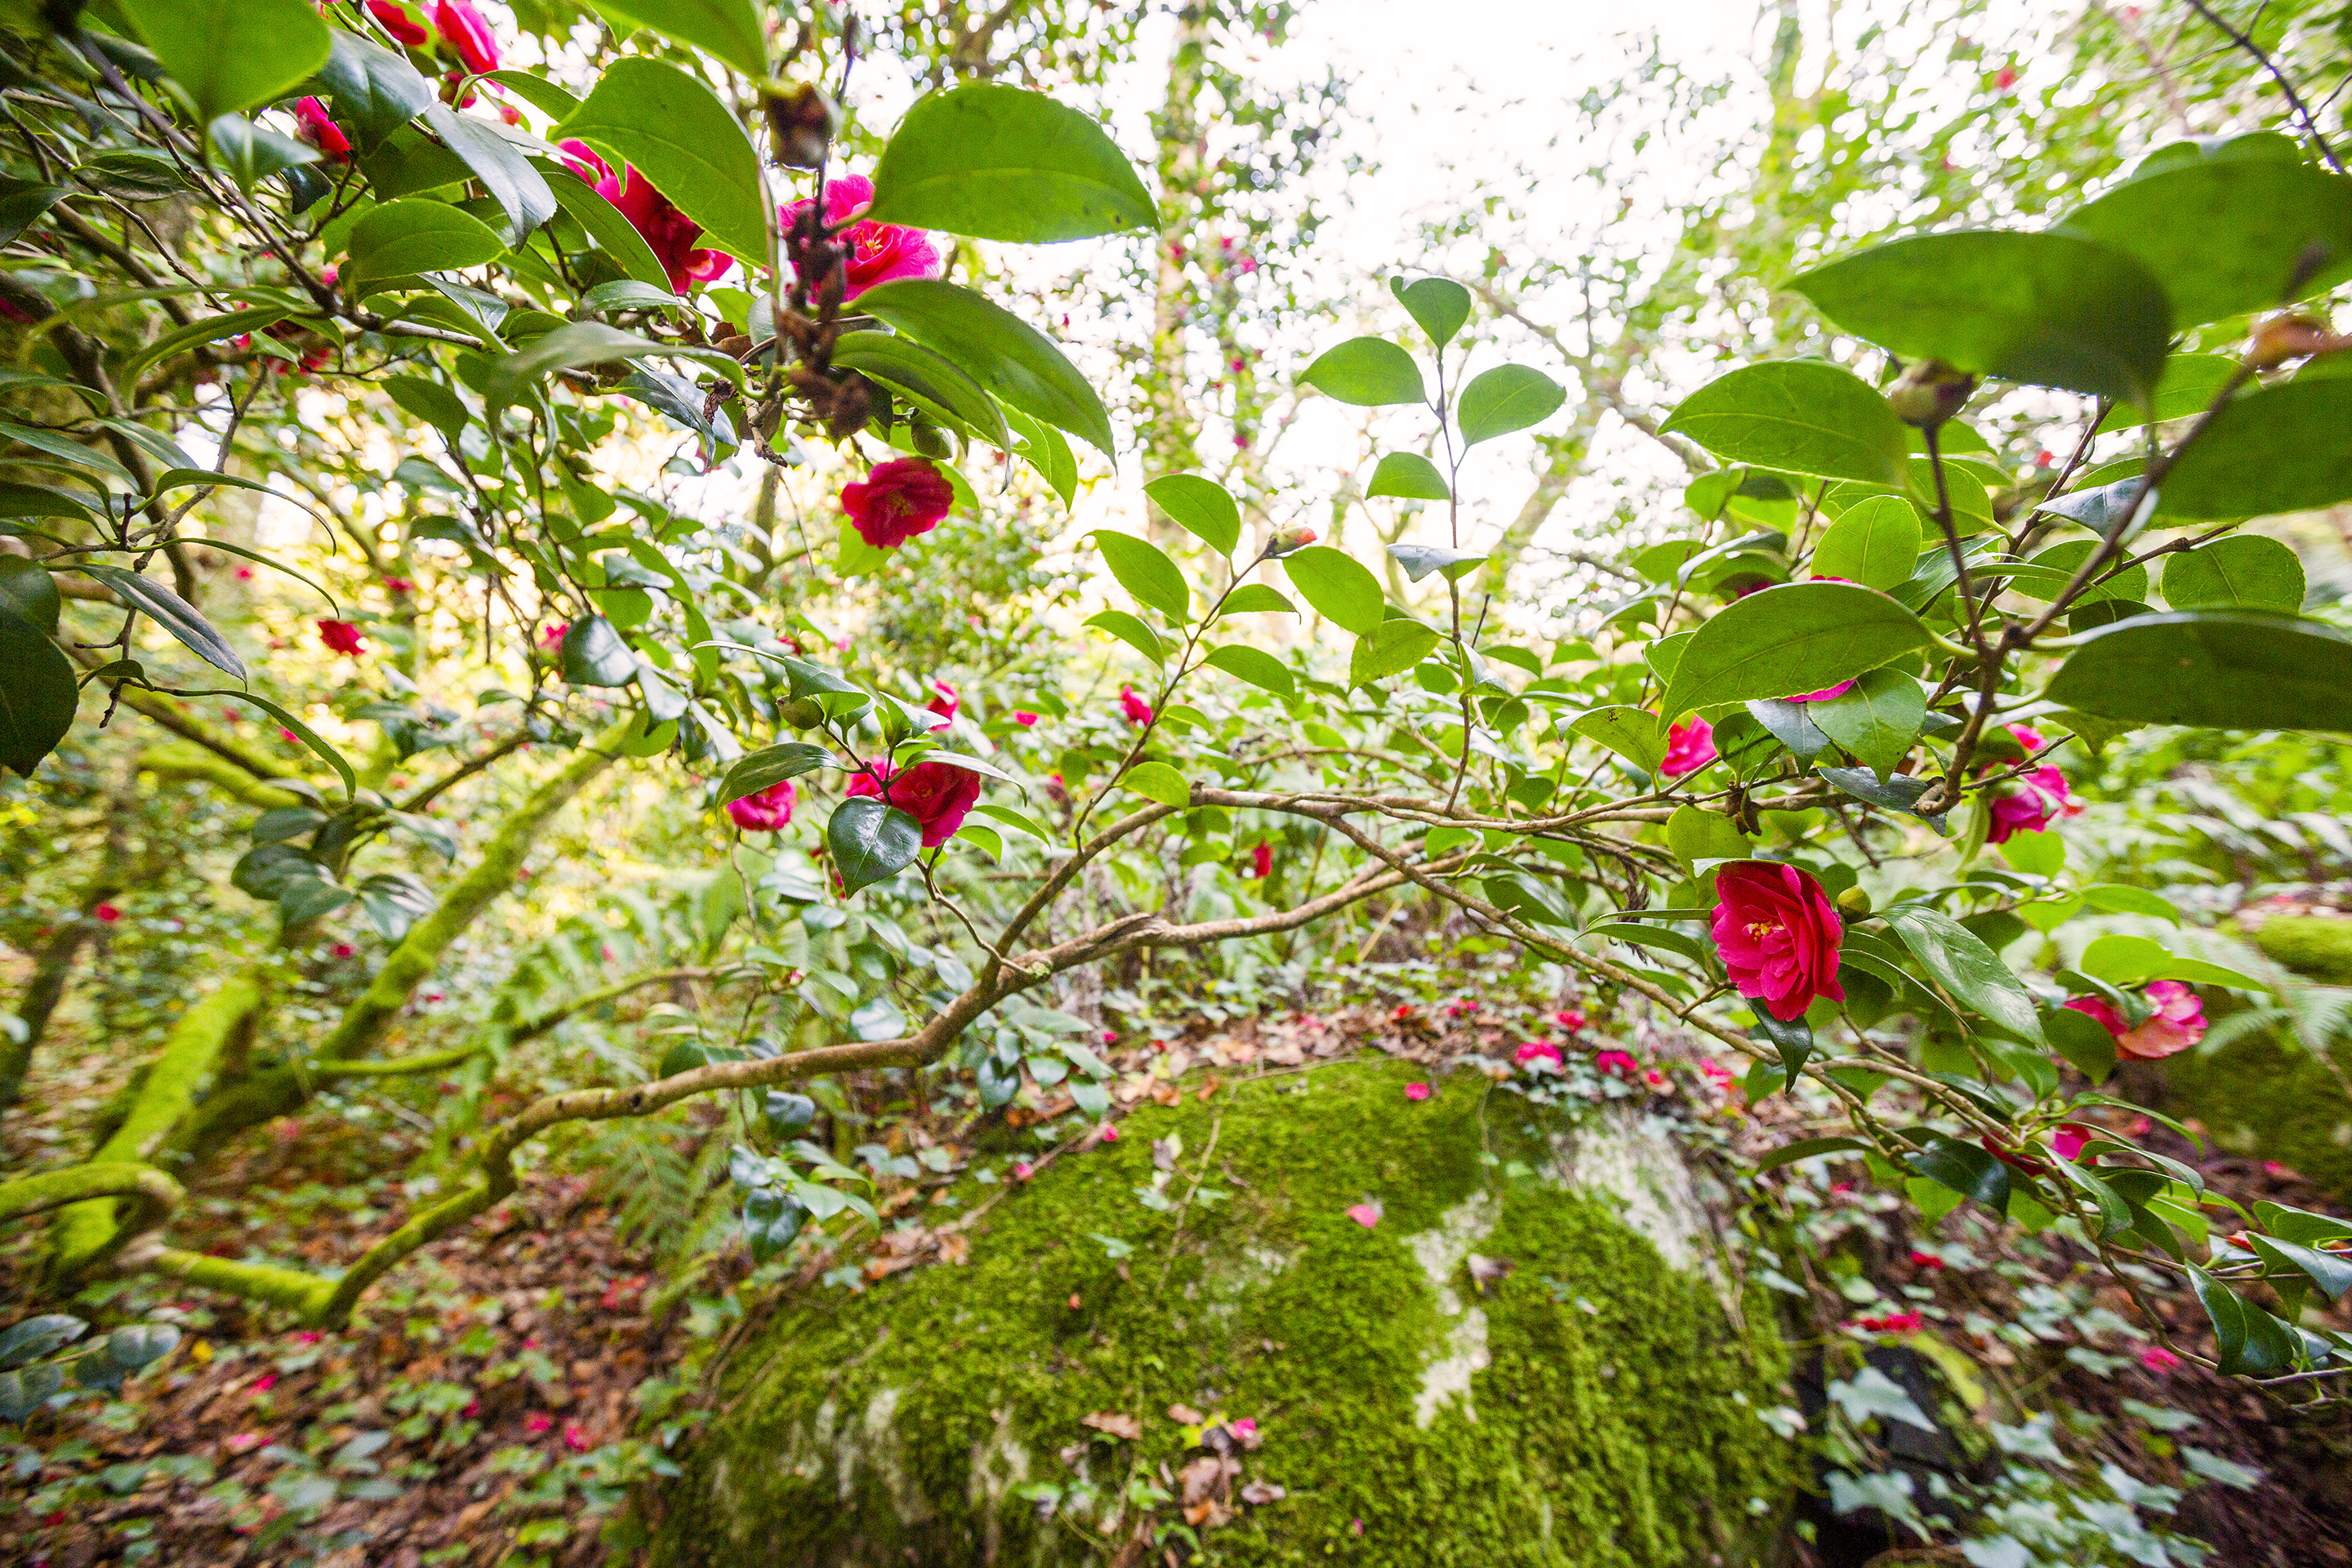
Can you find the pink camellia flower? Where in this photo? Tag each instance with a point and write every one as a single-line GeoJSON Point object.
{"type": "Point", "coordinates": [1107, 1133]}
{"type": "Point", "coordinates": [2007, 79]}
{"type": "Point", "coordinates": [935, 793]}
{"type": "Point", "coordinates": [668, 232]}
{"type": "Point", "coordinates": [1689, 747]}
{"type": "Point", "coordinates": [1657, 1080]}
{"type": "Point", "coordinates": [344, 950]}
{"type": "Point", "coordinates": [1620, 1064]}
{"type": "Point", "coordinates": [2157, 1360]}
{"type": "Point", "coordinates": [1138, 711]}
{"type": "Point", "coordinates": [1365, 1214]}
{"type": "Point", "coordinates": [1023, 1170]}
{"type": "Point", "coordinates": [1110, 1036]}
{"type": "Point", "coordinates": [244, 573]}
{"type": "Point", "coordinates": [1261, 860]}
{"type": "Point", "coordinates": [1892, 1323]}
{"type": "Point", "coordinates": [555, 634]}
{"type": "Point", "coordinates": [1927, 1260]}
{"type": "Point", "coordinates": [2027, 736]}
{"type": "Point", "coordinates": [308, 1337]}
{"type": "Point", "coordinates": [944, 700]}
{"type": "Point", "coordinates": [2069, 1141]}
{"type": "Point", "coordinates": [765, 812]}
{"type": "Point", "coordinates": [575, 1437]}
{"type": "Point", "coordinates": [2175, 1022]}
{"type": "Point", "coordinates": [399, 585]}
{"type": "Point", "coordinates": [245, 1442]}
{"type": "Point", "coordinates": [1569, 1019]}
{"type": "Point", "coordinates": [897, 500]}
{"type": "Point", "coordinates": [1245, 1428]}
{"type": "Point", "coordinates": [878, 252]}
{"type": "Point", "coordinates": [341, 636]}
{"type": "Point", "coordinates": [1777, 935]}
{"type": "Point", "coordinates": [464, 31]}
{"type": "Point", "coordinates": [315, 127]}
{"type": "Point", "coordinates": [1022, 717]}
{"type": "Point", "coordinates": [106, 914]}
{"type": "Point", "coordinates": [1715, 1072]}
{"type": "Point", "coordinates": [1825, 693]}
{"type": "Point", "coordinates": [538, 1421]}
{"type": "Point", "coordinates": [1540, 1050]}
{"type": "Point", "coordinates": [398, 22]}
{"type": "Point", "coordinates": [264, 1382]}
{"type": "Point", "coordinates": [1416, 1091]}
{"type": "Point", "coordinates": [289, 737]}
{"type": "Point", "coordinates": [2028, 805]}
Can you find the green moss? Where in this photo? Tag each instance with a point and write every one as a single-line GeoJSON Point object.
{"type": "Point", "coordinates": [2318, 946]}
{"type": "Point", "coordinates": [1615, 1420]}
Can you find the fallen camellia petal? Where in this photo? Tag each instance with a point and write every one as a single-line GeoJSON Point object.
{"type": "Point", "coordinates": [1365, 1214]}
{"type": "Point", "coordinates": [1416, 1091]}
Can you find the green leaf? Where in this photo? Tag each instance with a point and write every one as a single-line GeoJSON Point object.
{"type": "Point", "coordinates": [581, 344]}
{"type": "Point", "coordinates": [654, 116]}
{"type": "Point", "coordinates": [1789, 640]}
{"type": "Point", "coordinates": [1157, 781]}
{"type": "Point", "coordinates": [402, 237]}
{"type": "Point", "coordinates": [2122, 901]}
{"type": "Point", "coordinates": [252, 154]}
{"type": "Point", "coordinates": [2189, 385]}
{"type": "Point", "coordinates": [1507, 398]}
{"type": "Point", "coordinates": [1389, 647]}
{"type": "Point", "coordinates": [1799, 416]}
{"type": "Point", "coordinates": [870, 840]}
{"type": "Point", "coordinates": [2224, 237]}
{"type": "Point", "coordinates": [729, 29]}
{"type": "Point", "coordinates": [2276, 449]}
{"type": "Point", "coordinates": [394, 901]}
{"type": "Point", "coordinates": [1634, 733]}
{"type": "Point", "coordinates": [1340, 589]}
{"type": "Point", "coordinates": [1144, 570]}
{"type": "Point", "coordinates": [374, 90]}
{"type": "Point", "coordinates": [431, 402]}
{"type": "Point", "coordinates": [22, 203]}
{"type": "Point", "coordinates": [2330, 1271]}
{"type": "Point", "coordinates": [1965, 1169]}
{"type": "Point", "coordinates": [1409, 475]}
{"type": "Point", "coordinates": [1202, 508]}
{"type": "Point", "coordinates": [300, 731]}
{"type": "Point", "coordinates": [211, 329]}
{"type": "Point", "coordinates": [28, 590]}
{"type": "Point", "coordinates": [1256, 666]}
{"type": "Point", "coordinates": [770, 765]}
{"type": "Point", "coordinates": [173, 613]}
{"type": "Point", "coordinates": [38, 697]}
{"type": "Point", "coordinates": [1878, 721]}
{"type": "Point", "coordinates": [2244, 572]}
{"type": "Point", "coordinates": [1808, 1149]}
{"type": "Point", "coordinates": [1438, 305]}
{"type": "Point", "coordinates": [1972, 972]}
{"type": "Point", "coordinates": [1002, 163]}
{"type": "Point", "coordinates": [595, 654]}
{"type": "Point", "coordinates": [1875, 543]}
{"type": "Point", "coordinates": [2249, 1342]}
{"type": "Point", "coordinates": [1370, 372]}
{"type": "Point", "coordinates": [1256, 598]}
{"type": "Point", "coordinates": [70, 450]}
{"type": "Point", "coordinates": [19, 499]}
{"type": "Point", "coordinates": [1131, 631]}
{"type": "Point", "coordinates": [521, 190]}
{"type": "Point", "coordinates": [1014, 361]}
{"type": "Point", "coordinates": [1420, 560]}
{"type": "Point", "coordinates": [614, 235]}
{"type": "Point", "coordinates": [541, 94]}
{"type": "Point", "coordinates": [2082, 1040]}
{"type": "Point", "coordinates": [2134, 960]}
{"type": "Point", "coordinates": [2219, 670]}
{"type": "Point", "coordinates": [229, 54]}
{"type": "Point", "coordinates": [928, 378]}
{"type": "Point", "coordinates": [2051, 310]}
{"type": "Point", "coordinates": [1792, 1038]}
{"type": "Point", "coordinates": [1697, 834]}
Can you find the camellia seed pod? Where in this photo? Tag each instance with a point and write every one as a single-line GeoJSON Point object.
{"type": "Point", "coordinates": [801, 713]}
{"type": "Point", "coordinates": [1854, 901]}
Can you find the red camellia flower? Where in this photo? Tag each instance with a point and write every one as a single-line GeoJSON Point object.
{"type": "Point", "coordinates": [1138, 711]}
{"type": "Point", "coordinates": [2177, 1023]}
{"type": "Point", "coordinates": [1023, 718]}
{"type": "Point", "coordinates": [1540, 1050]}
{"type": "Point", "coordinates": [341, 636]}
{"type": "Point", "coordinates": [1569, 1019]}
{"type": "Point", "coordinates": [1826, 692]}
{"type": "Point", "coordinates": [1261, 860]}
{"type": "Point", "coordinates": [1416, 1091]}
{"type": "Point", "coordinates": [2069, 1139]}
{"type": "Point", "coordinates": [1777, 935]}
{"type": "Point", "coordinates": [399, 23]}
{"type": "Point", "coordinates": [2157, 1360]}
{"type": "Point", "coordinates": [937, 794]}
{"type": "Point", "coordinates": [897, 500]}
{"type": "Point", "coordinates": [1927, 1260]}
{"type": "Point", "coordinates": [320, 130]}
{"type": "Point", "coordinates": [2030, 806]}
{"type": "Point", "coordinates": [107, 914]}
{"type": "Point", "coordinates": [2007, 79]}
{"type": "Point", "coordinates": [1892, 1323]}
{"type": "Point", "coordinates": [878, 252]}
{"type": "Point", "coordinates": [1620, 1063]}
{"type": "Point", "coordinates": [944, 700]}
{"type": "Point", "coordinates": [465, 30]}
{"type": "Point", "coordinates": [344, 950]}
{"type": "Point", "coordinates": [1689, 747]}
{"type": "Point", "coordinates": [765, 812]}
{"type": "Point", "coordinates": [555, 634]}
{"type": "Point", "coordinates": [668, 232]}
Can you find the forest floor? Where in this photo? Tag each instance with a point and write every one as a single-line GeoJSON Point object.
{"type": "Point", "coordinates": [512, 1386]}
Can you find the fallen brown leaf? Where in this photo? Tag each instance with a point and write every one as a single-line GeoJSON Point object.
{"type": "Point", "coordinates": [1210, 1088]}
{"type": "Point", "coordinates": [1260, 1492]}
{"type": "Point", "coordinates": [1284, 1056]}
{"type": "Point", "coordinates": [1118, 1423]}
{"type": "Point", "coordinates": [1185, 1416]}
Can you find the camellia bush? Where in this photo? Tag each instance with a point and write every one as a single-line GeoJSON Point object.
{"type": "Point", "coordinates": [1848, 656]}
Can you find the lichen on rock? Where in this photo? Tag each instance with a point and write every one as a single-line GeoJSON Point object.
{"type": "Point", "coordinates": [1596, 1404]}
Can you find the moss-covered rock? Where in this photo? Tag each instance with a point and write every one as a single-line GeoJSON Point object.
{"type": "Point", "coordinates": [1602, 1404]}
{"type": "Point", "coordinates": [2262, 1094]}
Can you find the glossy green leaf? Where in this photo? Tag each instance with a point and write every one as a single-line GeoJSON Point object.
{"type": "Point", "coordinates": [2190, 385]}
{"type": "Point", "coordinates": [2117, 899]}
{"type": "Point", "coordinates": [2249, 1341]}
{"type": "Point", "coordinates": [2276, 449]}
{"type": "Point", "coordinates": [22, 203]}
{"type": "Point", "coordinates": [518, 188]}
{"type": "Point", "coordinates": [1144, 570]}
{"type": "Point", "coordinates": [727, 29]}
{"type": "Point", "coordinates": [996, 162]}
{"type": "Point", "coordinates": [1390, 648]}
{"type": "Point", "coordinates": [2082, 1040]}
{"type": "Point", "coordinates": [252, 154]}
{"type": "Point", "coordinates": [38, 698]}
{"type": "Point", "coordinates": [1810, 1149]}
{"type": "Point", "coordinates": [1420, 560]}
{"type": "Point", "coordinates": [28, 590]}
{"type": "Point", "coordinates": [541, 94]}
{"type": "Point", "coordinates": [1409, 475]}
{"type": "Point", "coordinates": [1634, 733]}
{"type": "Point", "coordinates": [413, 236]}
{"type": "Point", "coordinates": [230, 54]}
{"type": "Point", "coordinates": [1254, 665]}
{"type": "Point", "coordinates": [2224, 237]}
{"type": "Point", "coordinates": [1697, 835]}
{"type": "Point", "coordinates": [1131, 631]}
{"type": "Point", "coordinates": [870, 840]}
{"type": "Point", "coordinates": [371, 90]}
{"type": "Point", "coordinates": [1014, 361]}
{"type": "Point", "coordinates": [1875, 542]}
{"type": "Point", "coordinates": [1792, 1038]}
{"type": "Point", "coordinates": [1256, 598]}
{"type": "Point", "coordinates": [2050, 309]}
{"type": "Point", "coordinates": [650, 114]}
{"type": "Point", "coordinates": [583, 344]}
{"type": "Point", "coordinates": [1878, 721]}
{"type": "Point", "coordinates": [431, 402]}
{"type": "Point", "coordinates": [1370, 372]}
{"type": "Point", "coordinates": [1965, 1169]}
{"type": "Point", "coordinates": [769, 767]}
{"type": "Point", "coordinates": [394, 901]}
{"type": "Point", "coordinates": [1507, 398]}
{"type": "Point", "coordinates": [1969, 971]}
{"type": "Point", "coordinates": [1340, 587]}
{"type": "Point", "coordinates": [1157, 781]}
{"type": "Point", "coordinates": [170, 612]}
{"type": "Point", "coordinates": [595, 654]}
{"type": "Point", "coordinates": [614, 234]}
{"type": "Point", "coordinates": [927, 377]}
{"type": "Point", "coordinates": [210, 330]}
{"type": "Point", "coordinates": [1789, 640]}
{"type": "Point", "coordinates": [2242, 572]}
{"type": "Point", "coordinates": [1799, 416]}
{"type": "Point", "coordinates": [1438, 305]}
{"type": "Point", "coordinates": [1202, 508]}
{"type": "Point", "coordinates": [2127, 960]}
{"type": "Point", "coordinates": [2221, 669]}
{"type": "Point", "coordinates": [20, 499]}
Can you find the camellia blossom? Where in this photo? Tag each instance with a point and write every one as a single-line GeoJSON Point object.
{"type": "Point", "coordinates": [1777, 935]}
{"type": "Point", "coordinates": [2157, 1360]}
{"type": "Point", "coordinates": [2175, 1022]}
{"type": "Point", "coordinates": [1023, 1170]}
{"type": "Point", "coordinates": [106, 914]}
{"type": "Point", "coordinates": [1365, 1214]}
{"type": "Point", "coordinates": [1927, 1260]}
{"type": "Point", "coordinates": [1569, 1019]}
{"type": "Point", "coordinates": [341, 636]}
{"type": "Point", "coordinates": [1416, 1091]}
{"type": "Point", "coordinates": [896, 501]}
{"type": "Point", "coordinates": [1689, 747]}
{"type": "Point", "coordinates": [1715, 1072]}
{"type": "Point", "coordinates": [555, 634]}
{"type": "Point", "coordinates": [668, 232]}
{"type": "Point", "coordinates": [538, 1421]}
{"type": "Point", "coordinates": [344, 950]}
{"type": "Point", "coordinates": [575, 1437]}
{"type": "Point", "coordinates": [1131, 703]}
{"type": "Point", "coordinates": [1619, 1063]}
{"type": "Point", "coordinates": [935, 793]}
{"type": "Point", "coordinates": [878, 252]}
{"type": "Point", "coordinates": [1825, 693]}
{"type": "Point", "coordinates": [944, 700]}
{"type": "Point", "coordinates": [2027, 736]}
{"type": "Point", "coordinates": [2030, 806]}
{"type": "Point", "coordinates": [1022, 717]}
{"type": "Point", "coordinates": [1261, 860]}
{"type": "Point", "coordinates": [1540, 1050]}
{"type": "Point", "coordinates": [463, 28]}
{"type": "Point", "coordinates": [2069, 1140]}
{"type": "Point", "coordinates": [399, 23]}
{"type": "Point", "coordinates": [1891, 1323]}
{"type": "Point", "coordinates": [765, 812]}
{"type": "Point", "coordinates": [319, 130]}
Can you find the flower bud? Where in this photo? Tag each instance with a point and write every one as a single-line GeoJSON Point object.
{"type": "Point", "coordinates": [800, 125]}
{"type": "Point", "coordinates": [2290, 336]}
{"type": "Point", "coordinates": [930, 439]}
{"type": "Point", "coordinates": [803, 713]}
{"type": "Point", "coordinates": [1854, 901]}
{"type": "Point", "coordinates": [1930, 393]}
{"type": "Point", "coordinates": [1290, 538]}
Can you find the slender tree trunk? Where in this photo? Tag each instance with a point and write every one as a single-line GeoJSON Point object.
{"type": "Point", "coordinates": [55, 967]}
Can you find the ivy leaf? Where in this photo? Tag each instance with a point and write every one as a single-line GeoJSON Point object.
{"type": "Point", "coordinates": [1002, 163]}
{"type": "Point", "coordinates": [870, 840]}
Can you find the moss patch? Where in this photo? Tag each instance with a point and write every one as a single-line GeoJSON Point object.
{"type": "Point", "coordinates": [1599, 1406]}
